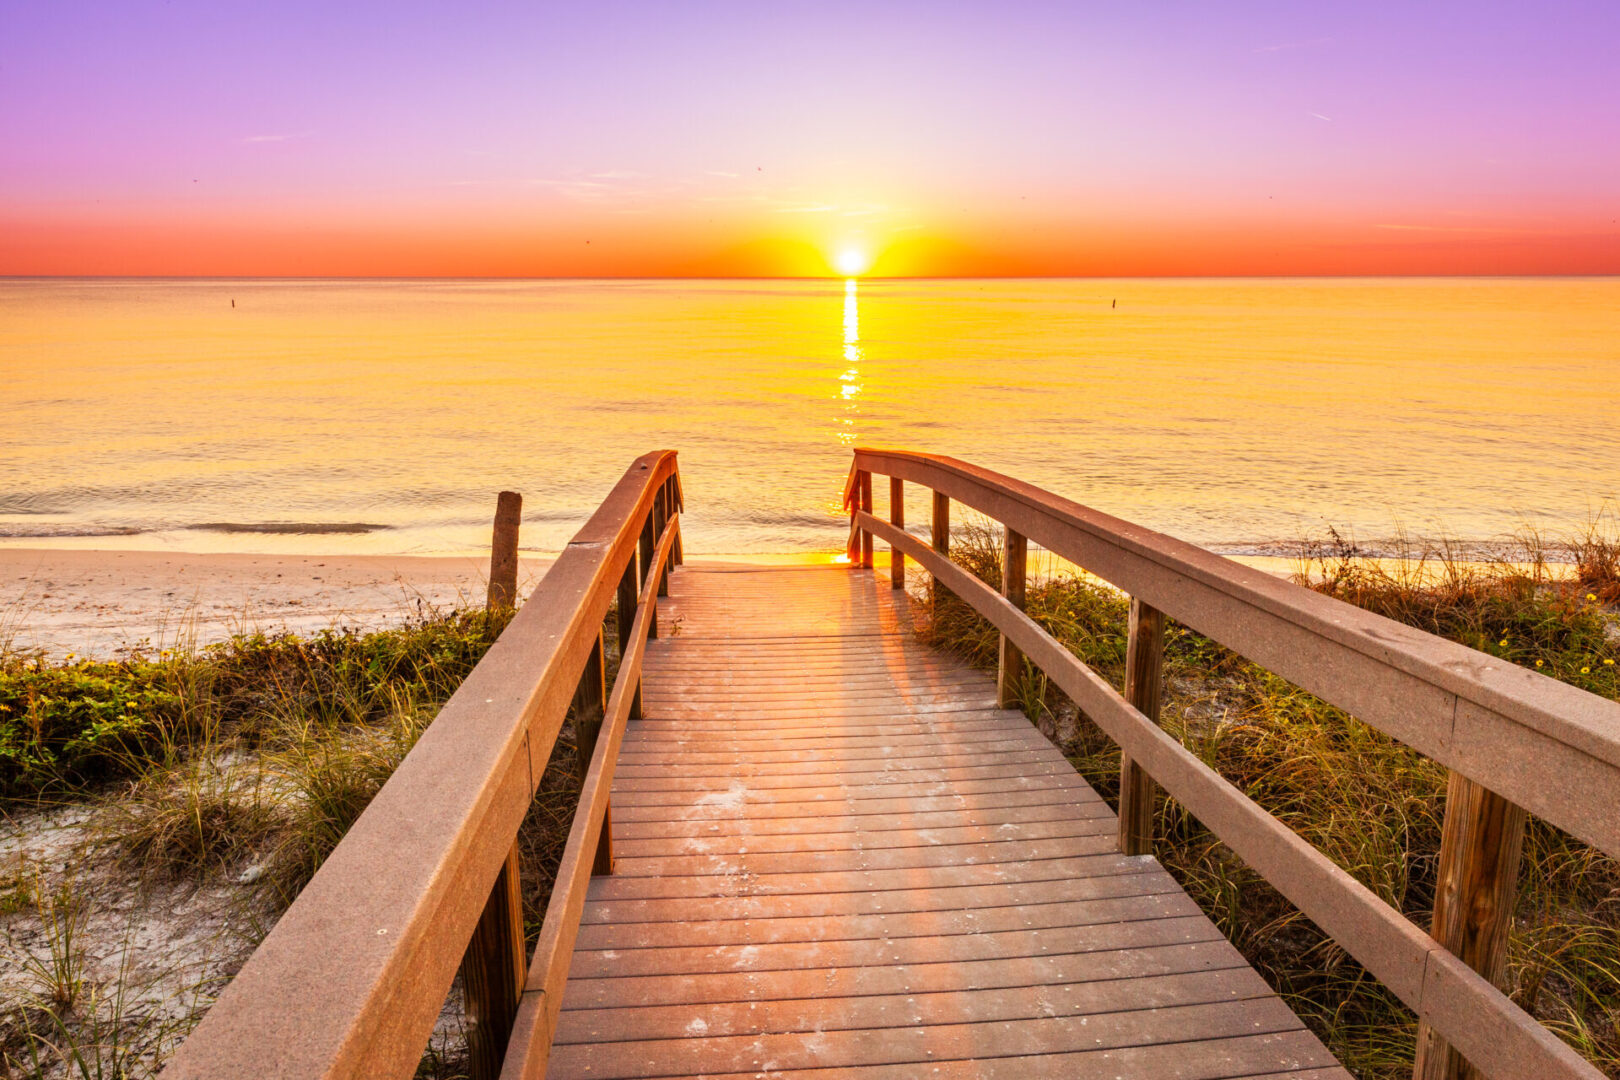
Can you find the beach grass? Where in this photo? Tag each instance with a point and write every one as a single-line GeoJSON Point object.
{"type": "Point", "coordinates": [1371, 804]}
{"type": "Point", "coordinates": [242, 763]}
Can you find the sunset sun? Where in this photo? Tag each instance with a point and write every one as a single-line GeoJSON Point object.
{"type": "Point", "coordinates": [852, 262]}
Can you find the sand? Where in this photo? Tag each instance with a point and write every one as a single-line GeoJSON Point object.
{"type": "Point", "coordinates": [102, 603]}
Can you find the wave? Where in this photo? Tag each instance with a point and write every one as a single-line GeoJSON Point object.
{"type": "Point", "coordinates": [15, 530]}
{"type": "Point", "coordinates": [288, 528]}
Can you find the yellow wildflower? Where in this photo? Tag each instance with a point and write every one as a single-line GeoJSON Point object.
{"type": "Point", "coordinates": [1586, 671]}
{"type": "Point", "coordinates": [1538, 663]}
{"type": "Point", "coordinates": [1503, 643]}
{"type": "Point", "coordinates": [1591, 596]}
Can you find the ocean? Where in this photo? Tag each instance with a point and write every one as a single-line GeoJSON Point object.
{"type": "Point", "coordinates": [383, 416]}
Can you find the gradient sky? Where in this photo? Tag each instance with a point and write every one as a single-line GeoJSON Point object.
{"type": "Point", "coordinates": [664, 138]}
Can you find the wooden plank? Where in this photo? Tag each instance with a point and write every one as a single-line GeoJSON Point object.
{"type": "Point", "coordinates": [889, 952]}
{"type": "Point", "coordinates": [870, 825]}
{"type": "Point", "coordinates": [929, 877]}
{"type": "Point", "coordinates": [813, 1014]}
{"type": "Point", "coordinates": [682, 812]}
{"type": "Point", "coordinates": [1135, 906]}
{"type": "Point", "coordinates": [1206, 1059]}
{"type": "Point", "coordinates": [733, 792]}
{"type": "Point", "coordinates": [1062, 822]}
{"type": "Point", "coordinates": [751, 864]}
{"type": "Point", "coordinates": [922, 1044]}
{"type": "Point", "coordinates": [1145, 879]}
{"type": "Point", "coordinates": [1047, 969]}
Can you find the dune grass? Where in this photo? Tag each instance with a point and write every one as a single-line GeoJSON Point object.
{"type": "Point", "coordinates": [1372, 805]}
{"type": "Point", "coordinates": [240, 763]}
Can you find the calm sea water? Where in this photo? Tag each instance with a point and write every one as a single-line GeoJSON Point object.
{"type": "Point", "coordinates": [1235, 413]}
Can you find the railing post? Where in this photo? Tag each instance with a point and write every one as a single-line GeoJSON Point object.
{"type": "Point", "coordinates": [1480, 845]}
{"type": "Point", "coordinates": [629, 597]}
{"type": "Point", "coordinates": [940, 535]}
{"type": "Point", "coordinates": [675, 502]}
{"type": "Point", "coordinates": [493, 967]}
{"type": "Point", "coordinates": [644, 558]}
{"type": "Point", "coordinates": [660, 517]}
{"type": "Point", "coordinates": [1014, 565]}
{"type": "Point", "coordinates": [492, 973]}
{"type": "Point", "coordinates": [897, 518]}
{"type": "Point", "coordinates": [852, 548]}
{"type": "Point", "coordinates": [590, 705]}
{"type": "Point", "coordinates": [866, 505]}
{"type": "Point", "coordinates": [590, 702]}
{"type": "Point", "coordinates": [503, 550]}
{"type": "Point", "coordinates": [1144, 681]}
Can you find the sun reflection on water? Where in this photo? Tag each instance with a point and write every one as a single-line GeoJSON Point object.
{"type": "Point", "coordinates": [849, 381]}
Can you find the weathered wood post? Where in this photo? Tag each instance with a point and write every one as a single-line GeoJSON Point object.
{"type": "Point", "coordinates": [897, 518]}
{"type": "Point", "coordinates": [503, 550]}
{"type": "Point", "coordinates": [1144, 681]}
{"type": "Point", "coordinates": [677, 505]}
{"type": "Point", "coordinates": [1014, 566]}
{"type": "Point", "coordinates": [940, 535]}
{"type": "Point", "coordinates": [644, 558]}
{"type": "Point", "coordinates": [1480, 845]}
{"type": "Point", "coordinates": [590, 706]}
{"type": "Point", "coordinates": [492, 973]}
{"type": "Point", "coordinates": [866, 505]}
{"type": "Point", "coordinates": [660, 518]}
{"type": "Point", "coordinates": [628, 599]}
{"type": "Point", "coordinates": [495, 964]}
{"type": "Point", "coordinates": [852, 548]}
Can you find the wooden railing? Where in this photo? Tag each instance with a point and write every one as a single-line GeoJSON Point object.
{"type": "Point", "coordinates": [1515, 741]}
{"type": "Point", "coordinates": [352, 978]}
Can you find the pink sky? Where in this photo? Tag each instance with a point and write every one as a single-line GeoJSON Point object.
{"type": "Point", "coordinates": [655, 138]}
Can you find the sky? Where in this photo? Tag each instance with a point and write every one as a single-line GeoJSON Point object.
{"type": "Point", "coordinates": [784, 139]}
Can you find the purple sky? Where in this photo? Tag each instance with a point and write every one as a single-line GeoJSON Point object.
{"type": "Point", "coordinates": [143, 135]}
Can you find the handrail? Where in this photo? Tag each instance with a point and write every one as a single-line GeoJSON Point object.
{"type": "Point", "coordinates": [353, 976]}
{"type": "Point", "coordinates": [1368, 665]}
{"type": "Point", "coordinates": [530, 1048]}
{"type": "Point", "coordinates": [1552, 748]}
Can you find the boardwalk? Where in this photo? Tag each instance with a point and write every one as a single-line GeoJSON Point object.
{"type": "Point", "coordinates": [837, 857]}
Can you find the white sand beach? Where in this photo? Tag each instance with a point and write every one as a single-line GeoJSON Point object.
{"type": "Point", "coordinates": [99, 603]}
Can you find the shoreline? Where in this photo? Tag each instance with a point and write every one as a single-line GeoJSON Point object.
{"type": "Point", "coordinates": [107, 602]}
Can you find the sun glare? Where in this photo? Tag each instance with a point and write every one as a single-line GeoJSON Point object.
{"type": "Point", "coordinates": [852, 262]}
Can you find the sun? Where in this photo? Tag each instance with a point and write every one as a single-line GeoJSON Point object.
{"type": "Point", "coordinates": [852, 262]}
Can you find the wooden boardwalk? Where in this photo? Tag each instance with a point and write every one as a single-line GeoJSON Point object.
{"type": "Point", "coordinates": [836, 857]}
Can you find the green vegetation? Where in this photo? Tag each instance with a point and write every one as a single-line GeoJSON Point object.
{"type": "Point", "coordinates": [1372, 805]}
{"type": "Point", "coordinates": [242, 763]}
